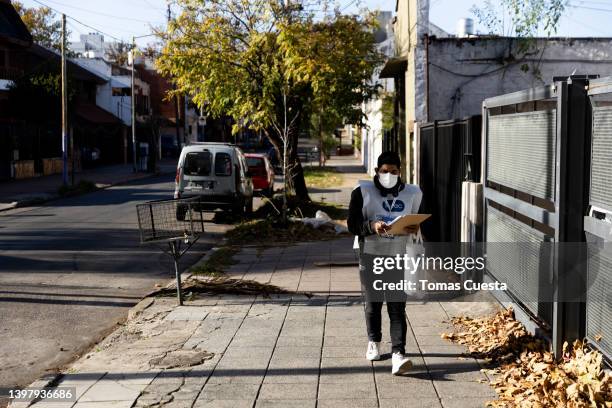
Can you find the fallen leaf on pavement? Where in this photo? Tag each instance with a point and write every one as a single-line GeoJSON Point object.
{"type": "Point", "coordinates": [528, 375]}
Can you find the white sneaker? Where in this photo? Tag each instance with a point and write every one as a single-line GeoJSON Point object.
{"type": "Point", "coordinates": [373, 352]}
{"type": "Point", "coordinates": [401, 364]}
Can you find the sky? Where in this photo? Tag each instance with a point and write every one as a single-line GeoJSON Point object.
{"type": "Point", "coordinates": [121, 19]}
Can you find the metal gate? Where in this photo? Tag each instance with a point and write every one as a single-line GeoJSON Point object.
{"type": "Point", "coordinates": [535, 161]}
{"type": "Point", "coordinates": [446, 159]}
{"type": "Point", "coordinates": [598, 222]}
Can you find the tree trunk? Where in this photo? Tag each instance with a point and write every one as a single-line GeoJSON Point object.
{"type": "Point", "coordinates": [296, 172]}
{"type": "Point", "coordinates": [296, 169]}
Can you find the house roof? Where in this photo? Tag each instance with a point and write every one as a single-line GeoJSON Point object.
{"type": "Point", "coordinates": [74, 70]}
{"type": "Point", "coordinates": [394, 67]}
{"type": "Point", "coordinates": [94, 114]}
{"type": "Point", "coordinates": [12, 28]}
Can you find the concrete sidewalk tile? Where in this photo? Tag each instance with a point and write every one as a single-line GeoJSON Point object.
{"type": "Point", "coordinates": [355, 322]}
{"type": "Point", "coordinates": [80, 385]}
{"type": "Point", "coordinates": [220, 403]}
{"type": "Point", "coordinates": [175, 403]}
{"type": "Point", "coordinates": [341, 391]}
{"type": "Point", "coordinates": [458, 375]}
{"type": "Point", "coordinates": [43, 404]}
{"type": "Point", "coordinates": [262, 340]}
{"type": "Point", "coordinates": [410, 402]}
{"type": "Point", "coordinates": [291, 330]}
{"type": "Point", "coordinates": [298, 363]}
{"type": "Point", "coordinates": [249, 352]}
{"type": "Point", "coordinates": [282, 352]}
{"type": "Point", "coordinates": [431, 330]}
{"type": "Point", "coordinates": [295, 391]}
{"type": "Point", "coordinates": [343, 352]}
{"type": "Point", "coordinates": [337, 377]}
{"type": "Point", "coordinates": [451, 363]}
{"type": "Point", "coordinates": [359, 332]}
{"type": "Point", "coordinates": [360, 342]}
{"type": "Point", "coordinates": [285, 403]}
{"type": "Point", "coordinates": [456, 402]}
{"type": "Point", "coordinates": [237, 376]}
{"type": "Point", "coordinates": [104, 404]}
{"type": "Point", "coordinates": [263, 326]}
{"type": "Point", "coordinates": [293, 341]}
{"type": "Point", "coordinates": [410, 389]}
{"type": "Point", "coordinates": [112, 391]}
{"type": "Point", "coordinates": [453, 389]}
{"type": "Point", "coordinates": [229, 392]}
{"type": "Point", "coordinates": [348, 403]}
{"type": "Point", "coordinates": [291, 376]}
{"type": "Point", "coordinates": [243, 363]}
{"type": "Point", "coordinates": [143, 378]}
{"type": "Point", "coordinates": [433, 340]}
{"type": "Point", "coordinates": [188, 313]}
{"type": "Point", "coordinates": [449, 348]}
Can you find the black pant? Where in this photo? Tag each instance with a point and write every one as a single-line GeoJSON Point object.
{"type": "Point", "coordinates": [397, 317]}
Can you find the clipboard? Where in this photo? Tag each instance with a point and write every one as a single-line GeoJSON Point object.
{"type": "Point", "coordinates": [401, 222]}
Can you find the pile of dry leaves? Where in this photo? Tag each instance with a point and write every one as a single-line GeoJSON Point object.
{"type": "Point", "coordinates": [528, 375]}
{"type": "Point", "coordinates": [225, 285]}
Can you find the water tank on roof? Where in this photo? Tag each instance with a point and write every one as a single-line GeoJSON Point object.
{"type": "Point", "coordinates": [465, 27]}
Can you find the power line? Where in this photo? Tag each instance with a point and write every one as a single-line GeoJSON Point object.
{"type": "Point", "coordinates": [81, 22]}
{"type": "Point", "coordinates": [74, 19]}
{"type": "Point", "coordinates": [350, 3]}
{"type": "Point", "coordinates": [590, 8]}
{"type": "Point", "coordinates": [98, 13]}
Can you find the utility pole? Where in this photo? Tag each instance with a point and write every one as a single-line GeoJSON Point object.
{"type": "Point", "coordinates": [176, 98]}
{"type": "Point", "coordinates": [64, 105]}
{"type": "Point", "coordinates": [133, 105]}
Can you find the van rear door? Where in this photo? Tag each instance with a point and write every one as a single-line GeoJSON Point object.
{"type": "Point", "coordinates": [197, 171]}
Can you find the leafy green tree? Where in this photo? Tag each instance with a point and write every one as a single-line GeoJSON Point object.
{"type": "Point", "coordinates": [118, 53]}
{"type": "Point", "coordinates": [526, 18]}
{"type": "Point", "coordinates": [270, 65]}
{"type": "Point", "coordinates": [45, 27]}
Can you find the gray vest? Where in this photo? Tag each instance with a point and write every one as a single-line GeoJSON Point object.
{"type": "Point", "coordinates": [379, 208]}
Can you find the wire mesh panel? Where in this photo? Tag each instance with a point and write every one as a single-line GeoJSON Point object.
{"type": "Point", "coordinates": [601, 171]}
{"type": "Point", "coordinates": [599, 297]}
{"type": "Point", "coordinates": [516, 256]}
{"type": "Point", "coordinates": [522, 151]}
{"type": "Point", "coordinates": [169, 220]}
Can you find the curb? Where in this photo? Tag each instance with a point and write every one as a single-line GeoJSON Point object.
{"type": "Point", "coordinates": [46, 381]}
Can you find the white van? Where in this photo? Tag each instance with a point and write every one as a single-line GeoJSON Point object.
{"type": "Point", "coordinates": [217, 174]}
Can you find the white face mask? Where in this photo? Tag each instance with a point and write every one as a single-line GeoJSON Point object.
{"type": "Point", "coordinates": [388, 180]}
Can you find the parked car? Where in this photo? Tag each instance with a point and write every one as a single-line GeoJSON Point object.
{"type": "Point", "coordinates": [217, 174]}
{"type": "Point", "coordinates": [262, 172]}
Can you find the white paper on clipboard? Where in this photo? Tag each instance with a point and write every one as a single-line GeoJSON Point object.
{"type": "Point", "coordinates": [400, 223]}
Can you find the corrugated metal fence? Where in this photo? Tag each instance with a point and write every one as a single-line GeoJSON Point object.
{"type": "Point", "coordinates": [546, 179]}
{"type": "Point", "coordinates": [449, 153]}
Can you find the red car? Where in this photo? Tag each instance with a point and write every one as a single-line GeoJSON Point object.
{"type": "Point", "coordinates": [262, 172]}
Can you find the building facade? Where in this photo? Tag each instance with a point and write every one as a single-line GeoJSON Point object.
{"type": "Point", "coordinates": [441, 76]}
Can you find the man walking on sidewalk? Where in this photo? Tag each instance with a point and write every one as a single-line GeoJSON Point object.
{"type": "Point", "coordinates": [373, 204]}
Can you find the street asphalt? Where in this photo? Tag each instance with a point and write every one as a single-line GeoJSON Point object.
{"type": "Point", "coordinates": [69, 272]}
